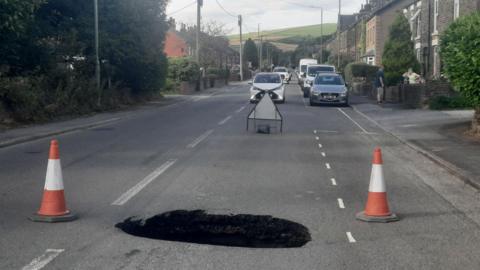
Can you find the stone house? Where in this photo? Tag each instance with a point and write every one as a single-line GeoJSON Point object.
{"type": "Point", "coordinates": [377, 29]}
{"type": "Point", "coordinates": [428, 19]}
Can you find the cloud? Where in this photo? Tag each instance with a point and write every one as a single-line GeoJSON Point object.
{"type": "Point", "coordinates": [271, 14]}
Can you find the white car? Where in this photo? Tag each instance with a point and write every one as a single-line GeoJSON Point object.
{"type": "Point", "coordinates": [311, 73]}
{"type": "Point", "coordinates": [267, 83]}
{"type": "Point", "coordinates": [302, 68]}
{"type": "Point", "coordinates": [283, 72]}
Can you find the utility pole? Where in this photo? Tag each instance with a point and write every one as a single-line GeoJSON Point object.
{"type": "Point", "coordinates": [97, 57]}
{"type": "Point", "coordinates": [261, 52]}
{"type": "Point", "coordinates": [197, 49]}
{"type": "Point", "coordinates": [259, 48]}
{"type": "Point", "coordinates": [338, 32]}
{"type": "Point", "coordinates": [321, 36]}
{"type": "Point", "coordinates": [241, 47]}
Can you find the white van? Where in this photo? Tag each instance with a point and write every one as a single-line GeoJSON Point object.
{"type": "Point", "coordinates": [302, 68]}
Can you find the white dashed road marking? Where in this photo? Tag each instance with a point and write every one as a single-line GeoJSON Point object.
{"type": "Point", "coordinates": [324, 154]}
{"type": "Point", "coordinates": [340, 203]}
{"type": "Point", "coordinates": [200, 139]}
{"type": "Point", "coordinates": [320, 145]}
{"type": "Point", "coordinates": [240, 110]}
{"type": "Point", "coordinates": [317, 138]}
{"type": "Point", "coordinates": [142, 184]}
{"type": "Point", "coordinates": [350, 238]}
{"type": "Point", "coordinates": [334, 182]}
{"type": "Point", "coordinates": [42, 261]}
{"type": "Point", "coordinates": [224, 120]}
{"type": "Point", "coordinates": [328, 166]}
{"type": "Point", "coordinates": [315, 132]}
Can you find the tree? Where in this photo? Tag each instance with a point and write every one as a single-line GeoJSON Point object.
{"type": "Point", "coordinates": [398, 55]}
{"type": "Point", "coordinates": [461, 57]}
{"type": "Point", "coordinates": [250, 53]}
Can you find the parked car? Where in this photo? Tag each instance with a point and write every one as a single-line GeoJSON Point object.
{"type": "Point", "coordinates": [311, 73]}
{"type": "Point", "coordinates": [329, 88]}
{"type": "Point", "coordinates": [284, 74]}
{"type": "Point", "coordinates": [267, 83]}
{"type": "Point", "coordinates": [302, 68]}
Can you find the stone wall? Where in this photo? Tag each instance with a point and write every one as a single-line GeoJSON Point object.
{"type": "Point", "coordinates": [411, 95]}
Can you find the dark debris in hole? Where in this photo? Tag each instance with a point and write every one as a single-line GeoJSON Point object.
{"type": "Point", "coordinates": [224, 230]}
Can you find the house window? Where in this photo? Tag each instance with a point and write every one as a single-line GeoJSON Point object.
{"type": "Point", "coordinates": [456, 9]}
{"type": "Point", "coordinates": [435, 16]}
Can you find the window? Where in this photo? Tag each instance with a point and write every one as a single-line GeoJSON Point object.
{"type": "Point", "coordinates": [435, 17]}
{"type": "Point", "coordinates": [329, 80]}
{"type": "Point", "coordinates": [456, 9]}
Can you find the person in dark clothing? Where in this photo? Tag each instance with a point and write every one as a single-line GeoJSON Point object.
{"type": "Point", "coordinates": [380, 84]}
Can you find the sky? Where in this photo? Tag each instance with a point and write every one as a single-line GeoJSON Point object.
{"type": "Point", "coordinates": [271, 14]}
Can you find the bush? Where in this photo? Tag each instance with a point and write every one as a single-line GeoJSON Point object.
{"type": "Point", "coordinates": [360, 70]}
{"type": "Point", "coordinates": [183, 70]}
{"type": "Point", "coordinates": [449, 103]}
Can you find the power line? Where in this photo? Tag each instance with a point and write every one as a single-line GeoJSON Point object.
{"type": "Point", "coordinates": [181, 9]}
{"type": "Point", "coordinates": [226, 11]}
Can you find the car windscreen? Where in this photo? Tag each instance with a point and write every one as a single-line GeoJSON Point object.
{"type": "Point", "coordinates": [312, 71]}
{"type": "Point", "coordinates": [303, 68]}
{"type": "Point", "coordinates": [267, 78]}
{"type": "Point", "coordinates": [329, 80]}
{"type": "Point", "coordinates": [280, 70]}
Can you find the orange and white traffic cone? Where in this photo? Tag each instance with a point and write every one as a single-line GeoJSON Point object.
{"type": "Point", "coordinates": [53, 207]}
{"type": "Point", "coordinates": [377, 209]}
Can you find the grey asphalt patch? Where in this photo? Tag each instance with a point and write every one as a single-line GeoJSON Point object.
{"type": "Point", "coordinates": [224, 230]}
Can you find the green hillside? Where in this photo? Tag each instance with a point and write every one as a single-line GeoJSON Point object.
{"type": "Point", "coordinates": [288, 33]}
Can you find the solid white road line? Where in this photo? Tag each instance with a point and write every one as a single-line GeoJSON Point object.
{"type": "Point", "coordinates": [340, 203]}
{"type": "Point", "coordinates": [351, 119]}
{"type": "Point", "coordinates": [42, 261]}
{"type": "Point", "coordinates": [240, 110]}
{"type": "Point", "coordinates": [324, 154]}
{"type": "Point", "coordinates": [142, 184]}
{"type": "Point", "coordinates": [224, 120]}
{"type": "Point", "coordinates": [328, 166]}
{"type": "Point", "coordinates": [334, 182]}
{"type": "Point", "coordinates": [200, 139]}
{"type": "Point", "coordinates": [350, 238]}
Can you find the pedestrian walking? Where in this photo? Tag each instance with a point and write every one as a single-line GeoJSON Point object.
{"type": "Point", "coordinates": [380, 84]}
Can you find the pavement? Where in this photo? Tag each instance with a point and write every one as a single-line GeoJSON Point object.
{"type": "Point", "coordinates": [315, 173]}
{"type": "Point", "coordinates": [440, 135]}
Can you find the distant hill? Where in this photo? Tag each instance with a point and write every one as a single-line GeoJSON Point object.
{"type": "Point", "coordinates": [287, 38]}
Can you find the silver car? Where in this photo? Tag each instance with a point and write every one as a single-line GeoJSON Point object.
{"type": "Point", "coordinates": [329, 88]}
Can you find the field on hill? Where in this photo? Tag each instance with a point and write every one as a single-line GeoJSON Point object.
{"type": "Point", "coordinates": [288, 35]}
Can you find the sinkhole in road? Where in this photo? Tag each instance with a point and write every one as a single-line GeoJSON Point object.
{"type": "Point", "coordinates": [199, 227]}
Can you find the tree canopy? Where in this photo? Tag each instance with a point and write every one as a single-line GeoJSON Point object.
{"type": "Point", "coordinates": [251, 52]}
{"type": "Point", "coordinates": [398, 54]}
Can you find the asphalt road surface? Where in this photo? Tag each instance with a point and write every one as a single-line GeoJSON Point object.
{"type": "Point", "coordinates": [316, 173]}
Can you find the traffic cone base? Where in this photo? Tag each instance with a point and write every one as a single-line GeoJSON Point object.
{"type": "Point", "coordinates": [53, 219]}
{"type": "Point", "coordinates": [380, 219]}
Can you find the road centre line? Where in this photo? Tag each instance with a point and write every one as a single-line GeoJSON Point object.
{"type": "Point", "coordinates": [341, 204]}
{"type": "Point", "coordinates": [224, 120]}
{"type": "Point", "coordinates": [125, 197]}
{"type": "Point", "coordinates": [40, 262]}
{"type": "Point", "coordinates": [320, 145]}
{"type": "Point", "coordinates": [350, 238]}
{"type": "Point", "coordinates": [315, 132]}
{"type": "Point", "coordinates": [200, 139]}
{"type": "Point", "coordinates": [317, 138]}
{"type": "Point", "coordinates": [327, 131]}
{"type": "Point", "coordinates": [334, 182]}
{"type": "Point", "coordinates": [351, 119]}
{"type": "Point", "coordinates": [328, 166]}
{"type": "Point", "coordinates": [240, 110]}
{"type": "Point", "coordinates": [324, 154]}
